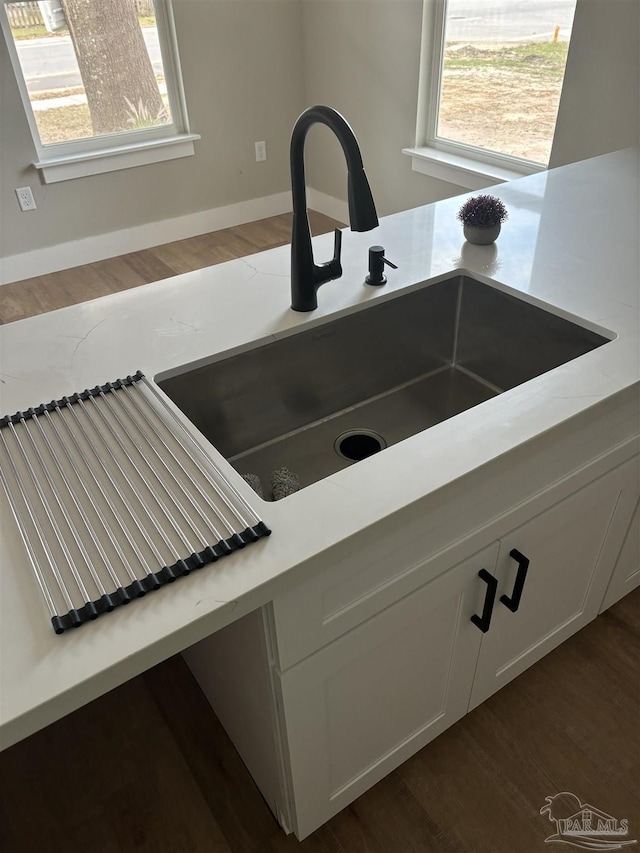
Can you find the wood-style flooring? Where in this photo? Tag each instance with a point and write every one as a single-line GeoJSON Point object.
{"type": "Point", "coordinates": [147, 768]}
{"type": "Point", "coordinates": [57, 290]}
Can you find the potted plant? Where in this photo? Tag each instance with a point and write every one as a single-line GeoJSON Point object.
{"type": "Point", "coordinates": [482, 217]}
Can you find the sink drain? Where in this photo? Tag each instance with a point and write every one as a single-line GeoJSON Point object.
{"type": "Point", "coordinates": [357, 444]}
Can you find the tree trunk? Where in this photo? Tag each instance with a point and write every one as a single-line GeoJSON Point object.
{"type": "Point", "coordinates": [118, 78]}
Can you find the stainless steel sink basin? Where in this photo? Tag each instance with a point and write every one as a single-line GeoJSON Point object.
{"type": "Point", "coordinates": [327, 397]}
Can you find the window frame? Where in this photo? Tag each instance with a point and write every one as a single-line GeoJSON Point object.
{"type": "Point", "coordinates": [457, 162]}
{"type": "Point", "coordinates": [61, 161]}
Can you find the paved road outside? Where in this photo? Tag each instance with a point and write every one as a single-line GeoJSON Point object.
{"type": "Point", "coordinates": [50, 63]}
{"type": "Point", "coordinates": [527, 20]}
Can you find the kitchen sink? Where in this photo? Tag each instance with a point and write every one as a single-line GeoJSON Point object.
{"type": "Point", "coordinates": [325, 398]}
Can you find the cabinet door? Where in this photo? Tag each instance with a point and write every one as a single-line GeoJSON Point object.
{"type": "Point", "coordinates": [360, 706]}
{"type": "Point", "coordinates": [568, 572]}
{"type": "Point", "coordinates": [626, 573]}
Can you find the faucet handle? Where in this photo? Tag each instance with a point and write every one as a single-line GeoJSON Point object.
{"type": "Point", "coordinates": [336, 266]}
{"type": "Point", "coordinates": [337, 244]}
{"type": "Point", "coordinates": [328, 271]}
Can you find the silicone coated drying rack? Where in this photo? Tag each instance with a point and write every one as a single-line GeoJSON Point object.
{"type": "Point", "coordinates": [114, 498]}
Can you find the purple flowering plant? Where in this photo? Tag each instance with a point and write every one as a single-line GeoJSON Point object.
{"type": "Point", "coordinates": [482, 211]}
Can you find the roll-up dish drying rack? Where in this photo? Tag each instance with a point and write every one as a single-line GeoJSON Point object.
{"type": "Point", "coordinates": [114, 498]}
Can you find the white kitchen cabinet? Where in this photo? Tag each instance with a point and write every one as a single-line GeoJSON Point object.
{"type": "Point", "coordinates": [359, 707]}
{"type": "Point", "coordinates": [413, 651]}
{"type": "Point", "coordinates": [565, 581]}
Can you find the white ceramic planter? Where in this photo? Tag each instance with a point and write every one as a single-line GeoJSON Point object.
{"type": "Point", "coordinates": [481, 236]}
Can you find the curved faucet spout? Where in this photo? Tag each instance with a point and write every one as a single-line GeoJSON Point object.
{"type": "Point", "coordinates": [306, 275]}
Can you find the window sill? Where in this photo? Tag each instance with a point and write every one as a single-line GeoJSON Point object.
{"type": "Point", "coordinates": [463, 171]}
{"type": "Point", "coordinates": [96, 162]}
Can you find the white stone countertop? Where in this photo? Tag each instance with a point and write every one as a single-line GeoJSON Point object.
{"type": "Point", "coordinates": [570, 243]}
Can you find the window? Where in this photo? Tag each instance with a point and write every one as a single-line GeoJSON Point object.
{"type": "Point", "coordinates": [491, 79]}
{"type": "Point", "coordinates": [100, 82]}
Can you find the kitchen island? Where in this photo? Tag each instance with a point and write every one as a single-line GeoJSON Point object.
{"type": "Point", "coordinates": [565, 429]}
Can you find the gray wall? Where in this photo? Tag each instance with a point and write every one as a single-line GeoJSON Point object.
{"type": "Point", "coordinates": [600, 104]}
{"type": "Point", "coordinates": [363, 57]}
{"type": "Point", "coordinates": [241, 62]}
{"type": "Point", "coordinates": [250, 66]}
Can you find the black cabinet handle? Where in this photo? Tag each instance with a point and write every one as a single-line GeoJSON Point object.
{"type": "Point", "coordinates": [483, 622]}
{"type": "Point", "coordinates": [523, 564]}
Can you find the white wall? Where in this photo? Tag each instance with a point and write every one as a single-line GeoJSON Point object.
{"type": "Point", "coordinates": [600, 104]}
{"type": "Point", "coordinates": [241, 63]}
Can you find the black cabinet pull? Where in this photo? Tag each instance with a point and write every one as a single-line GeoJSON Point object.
{"type": "Point", "coordinates": [523, 564]}
{"type": "Point", "coordinates": [483, 622]}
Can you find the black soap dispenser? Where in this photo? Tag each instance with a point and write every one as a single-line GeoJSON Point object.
{"type": "Point", "coordinates": [377, 261]}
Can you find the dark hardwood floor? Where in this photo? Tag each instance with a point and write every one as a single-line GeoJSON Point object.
{"type": "Point", "coordinates": [148, 768]}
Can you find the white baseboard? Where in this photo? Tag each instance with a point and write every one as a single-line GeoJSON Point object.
{"type": "Point", "coordinates": [97, 248]}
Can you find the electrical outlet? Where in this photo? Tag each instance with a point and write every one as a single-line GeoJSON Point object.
{"type": "Point", "coordinates": [25, 199]}
{"type": "Point", "coordinates": [261, 151]}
